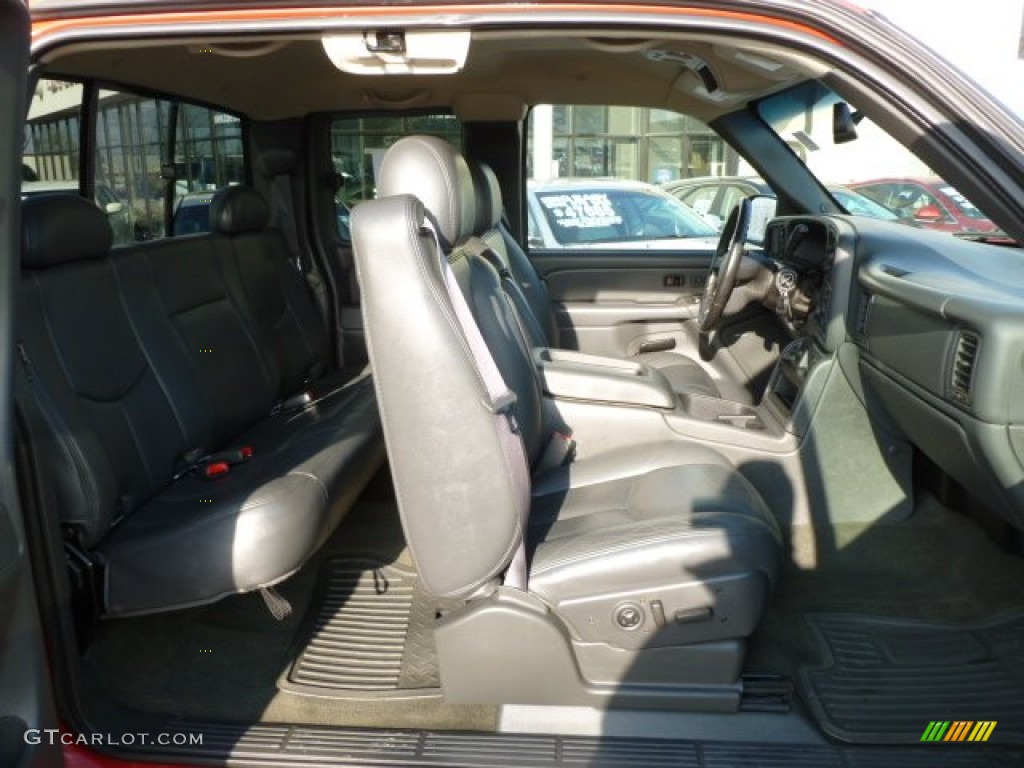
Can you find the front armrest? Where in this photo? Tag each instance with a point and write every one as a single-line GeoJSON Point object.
{"type": "Point", "coordinates": [579, 376]}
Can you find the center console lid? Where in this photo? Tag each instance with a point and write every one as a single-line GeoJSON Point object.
{"type": "Point", "coordinates": [579, 376]}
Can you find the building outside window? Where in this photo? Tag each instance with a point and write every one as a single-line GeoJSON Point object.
{"type": "Point", "coordinates": [653, 145]}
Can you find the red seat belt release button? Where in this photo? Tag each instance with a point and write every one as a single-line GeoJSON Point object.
{"type": "Point", "coordinates": [216, 469]}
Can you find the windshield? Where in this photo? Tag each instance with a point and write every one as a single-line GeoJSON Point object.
{"type": "Point", "coordinates": [965, 206]}
{"type": "Point", "coordinates": [596, 215]}
{"type": "Point", "coordinates": [860, 205]}
{"type": "Point", "coordinates": [866, 170]}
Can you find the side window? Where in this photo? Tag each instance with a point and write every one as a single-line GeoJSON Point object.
{"type": "Point", "coordinates": [208, 156]}
{"type": "Point", "coordinates": [131, 133]}
{"type": "Point", "coordinates": [359, 143]}
{"type": "Point", "coordinates": [51, 162]}
{"type": "Point", "coordinates": [138, 182]}
{"type": "Point", "coordinates": [700, 199]}
{"type": "Point", "coordinates": [601, 176]}
{"type": "Point", "coordinates": [52, 153]}
{"type": "Point", "coordinates": [731, 196]}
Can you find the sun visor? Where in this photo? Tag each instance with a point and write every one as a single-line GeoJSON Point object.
{"type": "Point", "coordinates": [398, 52]}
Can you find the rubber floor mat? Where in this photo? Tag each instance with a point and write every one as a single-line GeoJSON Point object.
{"type": "Point", "coordinates": [888, 680]}
{"type": "Point", "coordinates": [369, 634]}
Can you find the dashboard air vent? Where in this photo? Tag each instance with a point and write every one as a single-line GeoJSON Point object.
{"type": "Point", "coordinates": [964, 358]}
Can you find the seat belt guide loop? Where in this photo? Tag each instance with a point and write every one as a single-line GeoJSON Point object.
{"type": "Point", "coordinates": [505, 405]}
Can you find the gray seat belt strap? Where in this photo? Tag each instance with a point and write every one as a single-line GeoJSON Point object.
{"type": "Point", "coordinates": [502, 403]}
{"type": "Point", "coordinates": [283, 217]}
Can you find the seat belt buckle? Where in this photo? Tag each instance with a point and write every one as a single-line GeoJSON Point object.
{"type": "Point", "coordinates": [296, 402]}
{"type": "Point", "coordinates": [219, 464]}
{"type": "Point", "coordinates": [560, 450]}
{"type": "Point", "coordinates": [231, 457]}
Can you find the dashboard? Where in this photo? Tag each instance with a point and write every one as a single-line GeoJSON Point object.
{"type": "Point", "coordinates": [805, 251]}
{"type": "Point", "coordinates": [936, 326]}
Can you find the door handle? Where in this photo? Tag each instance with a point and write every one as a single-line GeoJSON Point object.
{"type": "Point", "coordinates": [657, 345]}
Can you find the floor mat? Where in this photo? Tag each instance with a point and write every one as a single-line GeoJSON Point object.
{"type": "Point", "coordinates": [888, 680]}
{"type": "Point", "coordinates": [369, 634]}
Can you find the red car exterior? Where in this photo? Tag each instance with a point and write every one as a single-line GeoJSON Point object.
{"type": "Point", "coordinates": [930, 203]}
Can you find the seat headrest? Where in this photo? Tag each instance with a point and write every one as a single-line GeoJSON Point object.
{"type": "Point", "coordinates": [61, 228]}
{"type": "Point", "coordinates": [238, 209]}
{"type": "Point", "coordinates": [431, 169]}
{"type": "Point", "coordinates": [489, 205]}
{"type": "Point", "coordinates": [276, 162]}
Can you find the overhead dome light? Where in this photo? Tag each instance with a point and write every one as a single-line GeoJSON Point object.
{"type": "Point", "coordinates": [398, 52]}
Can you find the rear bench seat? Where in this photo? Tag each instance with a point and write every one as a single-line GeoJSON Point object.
{"type": "Point", "coordinates": [137, 363]}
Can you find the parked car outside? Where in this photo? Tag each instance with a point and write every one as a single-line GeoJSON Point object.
{"type": "Point", "coordinates": [612, 213]}
{"type": "Point", "coordinates": [931, 203]}
{"type": "Point", "coordinates": [714, 196]}
{"type": "Point", "coordinates": [192, 213]}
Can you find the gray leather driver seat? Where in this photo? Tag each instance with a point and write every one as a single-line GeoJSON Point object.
{"type": "Point", "coordinates": [648, 568]}
{"type": "Point", "coordinates": [682, 372]}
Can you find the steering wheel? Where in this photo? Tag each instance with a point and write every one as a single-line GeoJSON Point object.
{"type": "Point", "coordinates": [721, 277]}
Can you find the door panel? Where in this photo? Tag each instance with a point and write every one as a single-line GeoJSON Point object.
{"type": "Point", "coordinates": [25, 698]}
{"type": "Point", "coordinates": [618, 303]}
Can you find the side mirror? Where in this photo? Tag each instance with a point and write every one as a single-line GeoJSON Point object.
{"type": "Point", "coordinates": [929, 214]}
{"type": "Point", "coordinates": [762, 210]}
{"type": "Point", "coordinates": [114, 207]}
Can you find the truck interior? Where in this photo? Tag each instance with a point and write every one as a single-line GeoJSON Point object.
{"type": "Point", "coordinates": [332, 458]}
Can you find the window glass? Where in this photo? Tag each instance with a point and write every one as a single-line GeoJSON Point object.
{"type": "Point", "coordinates": [613, 213]}
{"type": "Point", "coordinates": [130, 134]}
{"type": "Point", "coordinates": [130, 157]}
{"type": "Point", "coordinates": [52, 135]}
{"type": "Point", "coordinates": [358, 144]}
{"type": "Point", "coordinates": [208, 156]}
{"type": "Point", "coordinates": [626, 154]}
{"type": "Point", "coordinates": [700, 198]}
{"type": "Point", "coordinates": [867, 171]}
{"type": "Point", "coordinates": [731, 197]}
{"type": "Point", "coordinates": [133, 134]}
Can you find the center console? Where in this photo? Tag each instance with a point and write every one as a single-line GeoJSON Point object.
{"type": "Point", "coordinates": [579, 376]}
{"type": "Point", "coordinates": [604, 396]}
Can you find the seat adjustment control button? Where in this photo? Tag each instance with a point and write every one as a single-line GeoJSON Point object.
{"type": "Point", "coordinates": [658, 612]}
{"type": "Point", "coordinates": [629, 616]}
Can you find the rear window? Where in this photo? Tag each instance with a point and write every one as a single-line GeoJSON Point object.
{"type": "Point", "coordinates": [358, 144]}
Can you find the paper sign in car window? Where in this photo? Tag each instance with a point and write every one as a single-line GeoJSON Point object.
{"type": "Point", "coordinates": [582, 210]}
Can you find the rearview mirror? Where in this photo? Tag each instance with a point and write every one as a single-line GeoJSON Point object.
{"type": "Point", "coordinates": [762, 210]}
{"type": "Point", "coordinates": [844, 123]}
